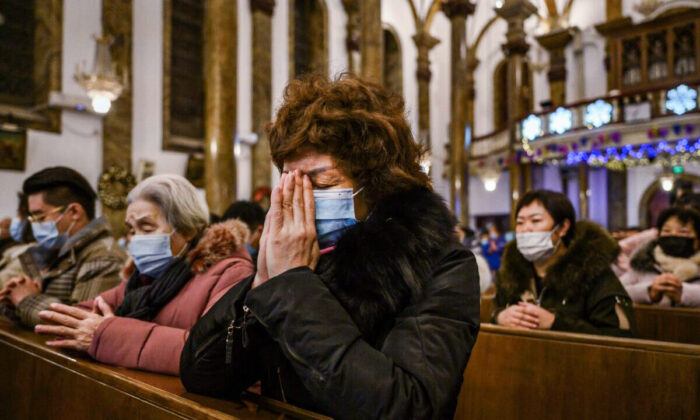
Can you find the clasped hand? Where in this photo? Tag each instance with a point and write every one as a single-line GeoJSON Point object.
{"type": "Point", "coordinates": [289, 235]}
{"type": "Point", "coordinates": [666, 284]}
{"type": "Point", "coordinates": [525, 315]}
{"type": "Point", "coordinates": [17, 289]}
{"type": "Point", "coordinates": [75, 328]}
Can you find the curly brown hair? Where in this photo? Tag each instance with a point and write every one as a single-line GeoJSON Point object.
{"type": "Point", "coordinates": [360, 124]}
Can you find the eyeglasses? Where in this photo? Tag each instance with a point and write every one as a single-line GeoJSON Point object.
{"type": "Point", "coordinates": [41, 217]}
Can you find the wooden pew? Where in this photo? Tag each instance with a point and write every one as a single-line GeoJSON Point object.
{"type": "Point", "coordinates": [678, 325]}
{"type": "Point", "coordinates": [548, 375]}
{"type": "Point", "coordinates": [681, 325]}
{"type": "Point", "coordinates": [38, 382]}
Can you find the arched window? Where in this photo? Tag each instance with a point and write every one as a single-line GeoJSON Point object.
{"type": "Point", "coordinates": [393, 69]}
{"type": "Point", "coordinates": [308, 30]}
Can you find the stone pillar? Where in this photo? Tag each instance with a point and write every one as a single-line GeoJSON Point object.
{"type": "Point", "coordinates": [554, 43]}
{"type": "Point", "coordinates": [372, 40]}
{"type": "Point", "coordinates": [220, 44]}
{"type": "Point", "coordinates": [583, 191]}
{"type": "Point", "coordinates": [425, 42]}
{"type": "Point", "coordinates": [472, 64]}
{"type": "Point", "coordinates": [117, 23]}
{"type": "Point", "coordinates": [457, 11]}
{"type": "Point", "coordinates": [613, 10]}
{"type": "Point", "coordinates": [354, 35]}
{"type": "Point", "coordinates": [515, 49]}
{"type": "Point", "coordinates": [261, 11]}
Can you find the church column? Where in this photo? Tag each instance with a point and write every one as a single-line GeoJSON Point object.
{"type": "Point", "coordinates": [613, 10]}
{"type": "Point", "coordinates": [425, 42]}
{"type": "Point", "coordinates": [117, 23]}
{"type": "Point", "coordinates": [457, 11]}
{"type": "Point", "coordinates": [554, 43]}
{"type": "Point", "coordinates": [372, 45]}
{"type": "Point", "coordinates": [262, 11]}
{"type": "Point", "coordinates": [353, 35]}
{"type": "Point", "coordinates": [583, 191]}
{"type": "Point", "coordinates": [515, 12]}
{"type": "Point", "coordinates": [220, 44]}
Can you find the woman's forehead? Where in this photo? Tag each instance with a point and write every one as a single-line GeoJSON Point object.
{"type": "Point", "coordinates": [533, 209]}
{"type": "Point", "coordinates": [309, 161]}
{"type": "Point", "coordinates": [141, 209]}
{"type": "Point", "coordinates": [674, 223]}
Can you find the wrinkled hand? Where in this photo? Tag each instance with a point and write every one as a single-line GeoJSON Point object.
{"type": "Point", "coordinates": [515, 316]}
{"type": "Point", "coordinates": [75, 328]}
{"type": "Point", "coordinates": [666, 284]}
{"type": "Point", "coordinates": [545, 319]}
{"type": "Point", "coordinates": [17, 289]}
{"type": "Point", "coordinates": [289, 236]}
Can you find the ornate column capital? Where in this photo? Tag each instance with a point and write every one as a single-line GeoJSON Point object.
{"type": "Point", "coordinates": [516, 9]}
{"type": "Point", "coordinates": [425, 42]}
{"type": "Point", "coordinates": [458, 8]}
{"type": "Point", "coordinates": [265, 6]}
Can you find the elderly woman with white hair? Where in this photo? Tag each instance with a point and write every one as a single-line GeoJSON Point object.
{"type": "Point", "coordinates": [180, 269]}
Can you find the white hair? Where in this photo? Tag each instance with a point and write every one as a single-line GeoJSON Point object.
{"type": "Point", "coordinates": [183, 207]}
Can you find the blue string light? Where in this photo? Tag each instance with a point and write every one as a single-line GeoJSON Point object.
{"type": "Point", "coordinates": [624, 155]}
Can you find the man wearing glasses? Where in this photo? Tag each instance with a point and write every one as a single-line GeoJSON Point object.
{"type": "Point", "coordinates": [76, 257]}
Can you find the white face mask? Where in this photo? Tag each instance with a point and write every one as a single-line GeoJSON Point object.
{"type": "Point", "coordinates": [536, 246]}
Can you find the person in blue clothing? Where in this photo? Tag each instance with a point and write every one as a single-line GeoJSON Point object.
{"type": "Point", "coordinates": [492, 248]}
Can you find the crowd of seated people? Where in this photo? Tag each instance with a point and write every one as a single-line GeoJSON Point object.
{"type": "Point", "coordinates": [353, 296]}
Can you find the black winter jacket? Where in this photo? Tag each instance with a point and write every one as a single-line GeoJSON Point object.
{"type": "Point", "coordinates": [383, 329]}
{"type": "Point", "coordinates": [580, 288]}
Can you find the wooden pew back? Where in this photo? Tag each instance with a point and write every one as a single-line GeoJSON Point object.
{"type": "Point", "coordinates": [37, 382]}
{"type": "Point", "coordinates": [541, 374]}
{"type": "Point", "coordinates": [681, 325]}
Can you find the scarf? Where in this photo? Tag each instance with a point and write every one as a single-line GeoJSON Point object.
{"type": "Point", "coordinates": [145, 301]}
{"type": "Point", "coordinates": [686, 269]}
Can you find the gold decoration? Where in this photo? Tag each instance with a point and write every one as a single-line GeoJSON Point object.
{"type": "Point", "coordinates": [113, 187]}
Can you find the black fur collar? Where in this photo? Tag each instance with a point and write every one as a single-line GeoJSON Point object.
{"type": "Point", "coordinates": [591, 252]}
{"type": "Point", "coordinates": [380, 265]}
{"type": "Point", "coordinates": [643, 258]}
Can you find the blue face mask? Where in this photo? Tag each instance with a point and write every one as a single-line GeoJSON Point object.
{"type": "Point", "coordinates": [16, 228]}
{"type": "Point", "coordinates": [151, 253]}
{"type": "Point", "coordinates": [47, 235]}
{"type": "Point", "coordinates": [252, 251]}
{"type": "Point", "coordinates": [335, 213]}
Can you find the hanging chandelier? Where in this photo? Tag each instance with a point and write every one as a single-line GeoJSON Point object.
{"type": "Point", "coordinates": [101, 84]}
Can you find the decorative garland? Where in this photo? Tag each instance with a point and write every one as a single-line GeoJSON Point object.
{"type": "Point", "coordinates": [606, 150]}
{"type": "Point", "coordinates": [113, 187]}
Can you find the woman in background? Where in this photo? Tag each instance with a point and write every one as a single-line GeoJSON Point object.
{"type": "Point", "coordinates": [556, 275]}
{"type": "Point", "coordinates": [180, 269]}
{"type": "Point", "coordinates": [666, 270]}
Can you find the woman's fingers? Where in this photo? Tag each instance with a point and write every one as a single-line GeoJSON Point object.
{"type": "Point", "coordinates": [55, 330]}
{"type": "Point", "coordinates": [59, 318]}
{"type": "Point", "coordinates": [65, 344]}
{"type": "Point", "coordinates": [69, 310]}
{"type": "Point", "coordinates": [309, 205]}
{"type": "Point", "coordinates": [298, 200]}
{"type": "Point", "coordinates": [105, 308]}
{"type": "Point", "coordinates": [276, 219]}
{"type": "Point", "coordinates": [288, 198]}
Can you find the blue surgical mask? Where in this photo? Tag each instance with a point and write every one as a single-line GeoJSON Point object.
{"type": "Point", "coordinates": [252, 251]}
{"type": "Point", "coordinates": [16, 228]}
{"type": "Point", "coordinates": [335, 213]}
{"type": "Point", "coordinates": [47, 235]}
{"type": "Point", "coordinates": [151, 253]}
